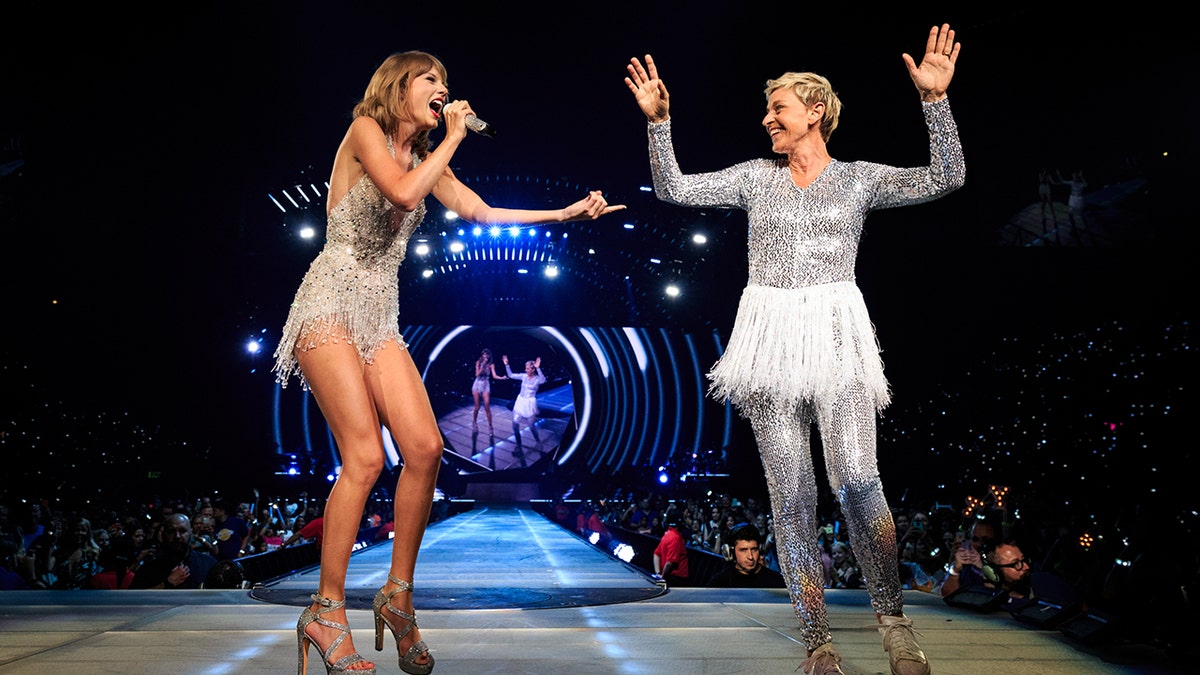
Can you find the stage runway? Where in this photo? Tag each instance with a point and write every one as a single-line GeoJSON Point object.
{"type": "Point", "coordinates": [500, 589]}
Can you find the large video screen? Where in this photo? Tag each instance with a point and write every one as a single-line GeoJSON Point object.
{"type": "Point", "coordinates": [609, 398]}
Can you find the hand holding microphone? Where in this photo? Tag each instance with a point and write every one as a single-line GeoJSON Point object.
{"type": "Point", "coordinates": [477, 125]}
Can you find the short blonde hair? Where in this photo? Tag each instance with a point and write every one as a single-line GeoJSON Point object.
{"type": "Point", "coordinates": [811, 88]}
{"type": "Point", "coordinates": [387, 93]}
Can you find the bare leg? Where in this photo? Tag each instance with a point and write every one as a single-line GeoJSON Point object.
{"type": "Point", "coordinates": [404, 406]}
{"type": "Point", "coordinates": [487, 408]}
{"type": "Point", "coordinates": [335, 377]}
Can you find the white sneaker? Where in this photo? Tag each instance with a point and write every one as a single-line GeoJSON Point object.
{"type": "Point", "coordinates": [824, 661]}
{"type": "Point", "coordinates": [901, 645]}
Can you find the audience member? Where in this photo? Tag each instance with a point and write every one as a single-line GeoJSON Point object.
{"type": "Point", "coordinates": [115, 562]}
{"type": "Point", "coordinates": [1012, 572]}
{"type": "Point", "coordinates": [177, 564]}
{"type": "Point", "coordinates": [670, 556]}
{"type": "Point", "coordinates": [746, 568]}
{"type": "Point", "coordinates": [313, 530]}
{"type": "Point", "coordinates": [845, 572]}
{"type": "Point", "coordinates": [233, 534]}
{"type": "Point", "coordinates": [591, 520]}
{"type": "Point", "coordinates": [32, 524]}
{"type": "Point", "coordinates": [78, 557]}
{"type": "Point", "coordinates": [766, 524]}
{"type": "Point", "coordinates": [12, 549]}
{"type": "Point", "coordinates": [204, 534]}
{"type": "Point", "coordinates": [967, 567]}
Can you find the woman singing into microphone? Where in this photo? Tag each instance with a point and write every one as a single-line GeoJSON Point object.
{"type": "Point", "coordinates": [342, 338]}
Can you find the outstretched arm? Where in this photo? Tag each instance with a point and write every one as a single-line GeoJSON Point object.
{"type": "Point", "coordinates": [459, 198]}
{"type": "Point", "coordinates": [932, 77]}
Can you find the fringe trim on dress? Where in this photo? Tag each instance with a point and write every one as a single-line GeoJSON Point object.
{"type": "Point", "coordinates": [333, 328]}
{"type": "Point", "coordinates": [798, 345]}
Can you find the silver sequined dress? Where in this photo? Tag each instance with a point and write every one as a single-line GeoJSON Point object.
{"type": "Point", "coordinates": [803, 350]}
{"type": "Point", "coordinates": [351, 290]}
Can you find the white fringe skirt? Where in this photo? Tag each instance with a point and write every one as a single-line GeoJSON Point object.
{"type": "Point", "coordinates": [799, 345]}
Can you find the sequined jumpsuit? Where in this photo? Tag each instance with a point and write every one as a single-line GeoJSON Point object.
{"type": "Point", "coordinates": [803, 348]}
{"type": "Point", "coordinates": [351, 290]}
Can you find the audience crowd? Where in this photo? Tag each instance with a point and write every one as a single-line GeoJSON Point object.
{"type": "Point", "coordinates": [164, 543]}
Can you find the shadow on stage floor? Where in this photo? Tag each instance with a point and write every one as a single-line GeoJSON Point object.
{"type": "Point", "coordinates": [500, 589]}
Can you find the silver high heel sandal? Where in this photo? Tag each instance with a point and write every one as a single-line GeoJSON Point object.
{"type": "Point", "coordinates": [408, 660]}
{"type": "Point", "coordinates": [341, 665]}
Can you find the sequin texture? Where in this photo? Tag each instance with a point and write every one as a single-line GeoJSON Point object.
{"type": "Point", "coordinates": [351, 290]}
{"type": "Point", "coordinates": [803, 350]}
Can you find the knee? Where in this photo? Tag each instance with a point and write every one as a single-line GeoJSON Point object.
{"type": "Point", "coordinates": [363, 471]}
{"type": "Point", "coordinates": [423, 453]}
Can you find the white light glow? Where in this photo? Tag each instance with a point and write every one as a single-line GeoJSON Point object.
{"type": "Point", "coordinates": [450, 215]}
{"type": "Point", "coordinates": [551, 271]}
{"type": "Point", "coordinates": [422, 249]}
{"type": "Point", "coordinates": [456, 247]}
{"type": "Point", "coordinates": [699, 239]}
{"type": "Point", "coordinates": [601, 358]}
{"type": "Point", "coordinates": [635, 343]}
{"type": "Point", "coordinates": [673, 291]}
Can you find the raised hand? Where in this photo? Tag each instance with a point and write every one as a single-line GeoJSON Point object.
{"type": "Point", "coordinates": [933, 76]}
{"type": "Point", "coordinates": [590, 207]}
{"type": "Point", "coordinates": [648, 89]}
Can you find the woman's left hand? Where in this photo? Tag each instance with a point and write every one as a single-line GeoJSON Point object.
{"type": "Point", "coordinates": [590, 207]}
{"type": "Point", "coordinates": [933, 76]}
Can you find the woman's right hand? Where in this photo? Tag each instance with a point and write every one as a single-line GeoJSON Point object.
{"type": "Point", "coordinates": [648, 89]}
{"type": "Point", "coordinates": [455, 115]}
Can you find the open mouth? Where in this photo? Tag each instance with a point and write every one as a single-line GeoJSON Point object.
{"type": "Point", "coordinates": [435, 106]}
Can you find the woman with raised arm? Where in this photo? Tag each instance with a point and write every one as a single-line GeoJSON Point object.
{"type": "Point", "coordinates": [525, 408]}
{"type": "Point", "coordinates": [803, 348]}
{"type": "Point", "coordinates": [342, 338]}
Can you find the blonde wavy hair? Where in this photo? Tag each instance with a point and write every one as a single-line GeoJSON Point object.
{"type": "Point", "coordinates": [811, 88]}
{"type": "Point", "coordinates": [385, 99]}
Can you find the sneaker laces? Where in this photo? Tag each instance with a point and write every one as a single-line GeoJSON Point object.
{"type": "Point", "coordinates": [899, 639]}
{"type": "Point", "coordinates": [824, 661]}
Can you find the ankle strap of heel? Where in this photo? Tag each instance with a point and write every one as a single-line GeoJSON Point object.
{"type": "Point", "coordinates": [328, 604]}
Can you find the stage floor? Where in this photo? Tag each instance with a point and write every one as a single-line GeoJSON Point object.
{"type": "Point", "coordinates": [502, 590]}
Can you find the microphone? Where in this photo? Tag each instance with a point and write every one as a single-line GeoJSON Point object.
{"type": "Point", "coordinates": [480, 127]}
